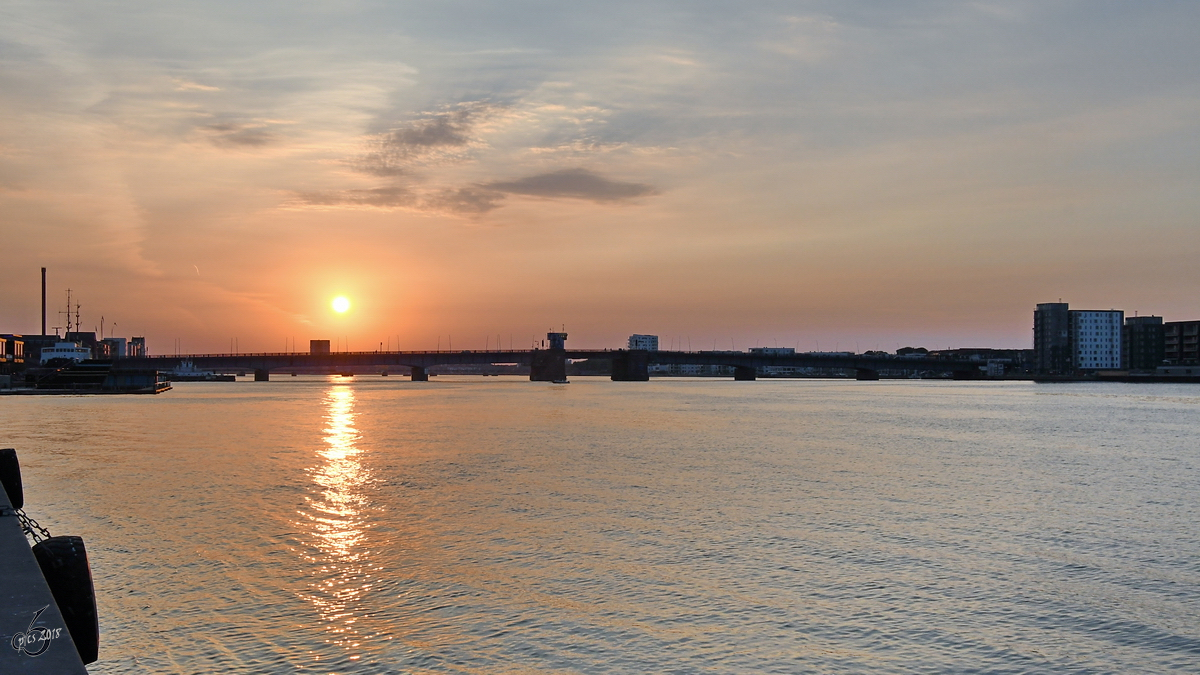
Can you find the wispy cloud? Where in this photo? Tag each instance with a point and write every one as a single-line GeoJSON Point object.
{"type": "Point", "coordinates": [234, 135]}
{"type": "Point", "coordinates": [188, 85]}
{"type": "Point", "coordinates": [384, 197]}
{"type": "Point", "coordinates": [476, 200]}
{"type": "Point", "coordinates": [573, 184]}
{"type": "Point", "coordinates": [463, 201]}
{"type": "Point", "coordinates": [442, 136]}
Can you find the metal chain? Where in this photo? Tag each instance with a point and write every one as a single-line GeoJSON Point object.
{"type": "Point", "coordinates": [32, 528]}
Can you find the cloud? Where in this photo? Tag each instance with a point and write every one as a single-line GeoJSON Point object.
{"type": "Point", "coordinates": [188, 85]}
{"type": "Point", "coordinates": [384, 197]}
{"type": "Point", "coordinates": [476, 200]}
{"type": "Point", "coordinates": [573, 184]}
{"type": "Point", "coordinates": [467, 201]}
{"type": "Point", "coordinates": [434, 138]}
{"type": "Point", "coordinates": [232, 135]}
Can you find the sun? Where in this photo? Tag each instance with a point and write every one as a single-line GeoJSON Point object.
{"type": "Point", "coordinates": [341, 304]}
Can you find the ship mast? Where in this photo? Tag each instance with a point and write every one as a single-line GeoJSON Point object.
{"type": "Point", "coordinates": [68, 312]}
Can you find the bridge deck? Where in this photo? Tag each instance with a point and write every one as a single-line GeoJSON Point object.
{"type": "Point", "coordinates": [426, 359]}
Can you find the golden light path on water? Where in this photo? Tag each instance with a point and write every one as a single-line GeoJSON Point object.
{"type": "Point", "coordinates": [336, 522]}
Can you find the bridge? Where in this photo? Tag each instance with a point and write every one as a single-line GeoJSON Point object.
{"type": "Point", "coordinates": [549, 365]}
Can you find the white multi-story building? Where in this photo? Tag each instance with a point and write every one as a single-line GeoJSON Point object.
{"type": "Point", "coordinates": [1095, 338]}
{"type": "Point", "coordinates": [646, 342]}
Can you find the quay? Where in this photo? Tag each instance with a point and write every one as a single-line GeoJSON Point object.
{"type": "Point", "coordinates": [35, 639]}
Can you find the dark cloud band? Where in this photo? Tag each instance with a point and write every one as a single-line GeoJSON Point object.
{"type": "Point", "coordinates": [573, 184]}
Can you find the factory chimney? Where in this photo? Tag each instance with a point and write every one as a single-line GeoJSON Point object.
{"type": "Point", "coordinates": [43, 301]}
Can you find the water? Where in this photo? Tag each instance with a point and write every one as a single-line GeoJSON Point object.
{"type": "Point", "coordinates": [493, 525]}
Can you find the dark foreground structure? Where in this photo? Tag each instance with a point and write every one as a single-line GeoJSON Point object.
{"type": "Point", "coordinates": [48, 622]}
{"type": "Point", "coordinates": [86, 377]}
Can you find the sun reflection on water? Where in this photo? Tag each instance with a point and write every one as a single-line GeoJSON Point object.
{"type": "Point", "coordinates": [336, 523]}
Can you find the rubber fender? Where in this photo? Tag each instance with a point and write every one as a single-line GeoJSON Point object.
{"type": "Point", "coordinates": [64, 563]}
{"type": "Point", "coordinates": [10, 477]}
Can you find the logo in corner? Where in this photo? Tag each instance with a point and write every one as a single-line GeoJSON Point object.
{"type": "Point", "coordinates": [36, 639]}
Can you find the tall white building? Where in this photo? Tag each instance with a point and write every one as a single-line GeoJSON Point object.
{"type": "Point", "coordinates": [646, 342]}
{"type": "Point", "coordinates": [1095, 338]}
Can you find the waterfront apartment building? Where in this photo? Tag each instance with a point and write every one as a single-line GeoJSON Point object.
{"type": "Point", "coordinates": [1142, 343]}
{"type": "Point", "coordinates": [1096, 338]}
{"type": "Point", "coordinates": [12, 353]}
{"type": "Point", "coordinates": [645, 342]}
{"type": "Point", "coordinates": [1067, 341]}
{"type": "Point", "coordinates": [1181, 342]}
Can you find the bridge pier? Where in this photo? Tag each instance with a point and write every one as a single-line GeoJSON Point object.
{"type": "Point", "coordinates": [866, 374]}
{"type": "Point", "coordinates": [745, 373]}
{"type": "Point", "coordinates": [419, 374]}
{"type": "Point", "coordinates": [632, 366]}
{"type": "Point", "coordinates": [548, 366]}
{"type": "Point", "coordinates": [262, 375]}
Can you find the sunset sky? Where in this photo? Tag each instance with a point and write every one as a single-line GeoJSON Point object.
{"type": "Point", "coordinates": [859, 174]}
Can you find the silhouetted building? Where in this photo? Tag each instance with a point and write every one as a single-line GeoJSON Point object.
{"type": "Point", "coordinates": [113, 347]}
{"type": "Point", "coordinates": [136, 347]}
{"type": "Point", "coordinates": [1143, 343]}
{"type": "Point", "coordinates": [998, 361]}
{"type": "Point", "coordinates": [1181, 342]}
{"type": "Point", "coordinates": [646, 342]}
{"type": "Point", "coordinates": [1051, 338]}
{"type": "Point", "coordinates": [316, 347]}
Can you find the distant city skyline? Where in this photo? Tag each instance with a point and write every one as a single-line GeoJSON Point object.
{"type": "Point", "coordinates": [854, 175]}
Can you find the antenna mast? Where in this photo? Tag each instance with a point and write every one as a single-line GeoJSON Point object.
{"type": "Point", "coordinates": [68, 312]}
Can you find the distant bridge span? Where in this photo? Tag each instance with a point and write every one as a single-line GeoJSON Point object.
{"type": "Point", "coordinates": [550, 364]}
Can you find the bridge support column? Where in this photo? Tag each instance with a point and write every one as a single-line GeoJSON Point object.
{"type": "Point", "coordinates": [548, 366]}
{"type": "Point", "coordinates": [262, 375]}
{"type": "Point", "coordinates": [419, 374]}
{"type": "Point", "coordinates": [866, 374]}
{"type": "Point", "coordinates": [745, 373]}
{"type": "Point", "coordinates": [632, 366]}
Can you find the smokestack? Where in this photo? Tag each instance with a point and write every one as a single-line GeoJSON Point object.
{"type": "Point", "coordinates": [43, 301]}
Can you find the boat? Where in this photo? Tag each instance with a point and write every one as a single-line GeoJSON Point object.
{"type": "Point", "coordinates": [88, 377]}
{"type": "Point", "coordinates": [187, 371]}
{"type": "Point", "coordinates": [67, 351]}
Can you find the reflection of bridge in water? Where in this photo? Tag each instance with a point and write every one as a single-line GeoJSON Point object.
{"type": "Point", "coordinates": [548, 365]}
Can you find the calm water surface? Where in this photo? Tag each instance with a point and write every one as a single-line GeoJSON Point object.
{"type": "Point", "coordinates": [493, 525]}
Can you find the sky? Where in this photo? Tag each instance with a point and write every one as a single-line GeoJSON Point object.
{"type": "Point", "coordinates": [858, 174]}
